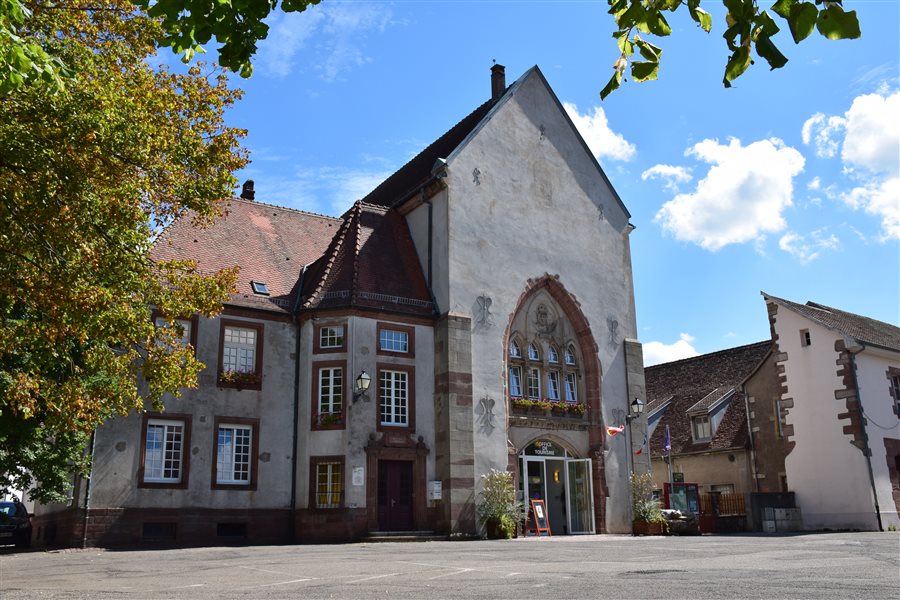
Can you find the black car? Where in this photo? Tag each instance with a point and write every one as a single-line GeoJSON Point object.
{"type": "Point", "coordinates": [15, 524]}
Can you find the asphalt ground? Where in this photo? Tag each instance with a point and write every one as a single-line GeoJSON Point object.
{"type": "Point", "coordinates": [822, 565]}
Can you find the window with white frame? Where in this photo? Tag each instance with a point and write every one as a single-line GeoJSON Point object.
{"type": "Point", "coordinates": [391, 340]}
{"type": "Point", "coordinates": [533, 353]}
{"type": "Point", "coordinates": [331, 337]}
{"type": "Point", "coordinates": [571, 388]}
{"type": "Point", "coordinates": [701, 428]}
{"type": "Point", "coordinates": [553, 386]}
{"type": "Point", "coordinates": [331, 390]}
{"type": "Point", "coordinates": [233, 454]}
{"type": "Point", "coordinates": [515, 382]}
{"type": "Point", "coordinates": [184, 324]}
{"type": "Point", "coordinates": [553, 355]}
{"type": "Point", "coordinates": [570, 356]}
{"type": "Point", "coordinates": [239, 350]}
{"type": "Point", "coordinates": [393, 390]}
{"type": "Point", "coordinates": [163, 451]}
{"type": "Point", "coordinates": [329, 484]}
{"type": "Point", "coordinates": [534, 383]}
{"type": "Point", "coordinates": [514, 350]}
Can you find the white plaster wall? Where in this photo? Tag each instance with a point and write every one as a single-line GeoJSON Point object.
{"type": "Point", "coordinates": [878, 405]}
{"type": "Point", "coordinates": [537, 210]}
{"type": "Point", "coordinates": [363, 415]}
{"type": "Point", "coordinates": [117, 448]}
{"type": "Point", "coordinates": [828, 475]}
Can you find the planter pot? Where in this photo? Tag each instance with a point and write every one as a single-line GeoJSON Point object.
{"type": "Point", "coordinates": [496, 531]}
{"type": "Point", "coordinates": [647, 528]}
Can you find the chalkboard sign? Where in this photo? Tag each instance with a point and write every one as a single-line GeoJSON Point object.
{"type": "Point", "coordinates": [539, 521]}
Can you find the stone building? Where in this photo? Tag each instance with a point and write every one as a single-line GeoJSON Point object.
{"type": "Point", "coordinates": [372, 368]}
{"type": "Point", "coordinates": [839, 408]}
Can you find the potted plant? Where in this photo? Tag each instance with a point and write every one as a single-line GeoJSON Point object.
{"type": "Point", "coordinates": [239, 379]}
{"type": "Point", "coordinates": [522, 404]}
{"type": "Point", "coordinates": [328, 419]}
{"type": "Point", "coordinates": [647, 515]}
{"type": "Point", "coordinates": [497, 507]}
{"type": "Point", "coordinates": [577, 410]}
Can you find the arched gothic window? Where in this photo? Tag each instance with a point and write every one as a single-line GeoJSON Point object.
{"type": "Point", "coordinates": [514, 351]}
{"type": "Point", "coordinates": [553, 354]}
{"type": "Point", "coordinates": [533, 353]}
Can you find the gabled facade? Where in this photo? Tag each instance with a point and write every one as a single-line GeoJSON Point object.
{"type": "Point", "coordinates": [840, 383]}
{"type": "Point", "coordinates": [504, 233]}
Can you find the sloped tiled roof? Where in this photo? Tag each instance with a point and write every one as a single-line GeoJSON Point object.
{"type": "Point", "coordinates": [863, 329]}
{"type": "Point", "coordinates": [269, 243]}
{"type": "Point", "coordinates": [710, 400]}
{"type": "Point", "coordinates": [418, 170]}
{"type": "Point", "coordinates": [706, 379]}
{"type": "Point", "coordinates": [370, 263]}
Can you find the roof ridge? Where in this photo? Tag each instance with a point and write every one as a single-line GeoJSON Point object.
{"type": "Point", "coordinates": [330, 255]}
{"type": "Point", "coordinates": [354, 282]}
{"type": "Point", "coordinates": [709, 354]}
{"type": "Point", "coordinates": [278, 206]}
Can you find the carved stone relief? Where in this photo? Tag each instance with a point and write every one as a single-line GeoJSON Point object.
{"type": "Point", "coordinates": [486, 416]}
{"type": "Point", "coordinates": [481, 312]}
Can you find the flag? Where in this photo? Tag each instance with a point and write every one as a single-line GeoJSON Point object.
{"type": "Point", "coordinates": [612, 431]}
{"type": "Point", "coordinates": [667, 443]}
{"type": "Point", "coordinates": [641, 449]}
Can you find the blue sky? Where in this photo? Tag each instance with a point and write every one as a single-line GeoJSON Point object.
{"type": "Point", "coordinates": [788, 183]}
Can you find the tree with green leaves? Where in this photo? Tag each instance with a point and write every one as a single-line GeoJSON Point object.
{"type": "Point", "coordinates": [89, 174]}
{"type": "Point", "coordinates": [749, 28]}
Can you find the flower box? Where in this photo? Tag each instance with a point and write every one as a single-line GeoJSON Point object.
{"type": "Point", "coordinates": [239, 380]}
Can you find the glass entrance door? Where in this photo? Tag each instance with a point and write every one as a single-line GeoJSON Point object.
{"type": "Point", "coordinates": [580, 495]}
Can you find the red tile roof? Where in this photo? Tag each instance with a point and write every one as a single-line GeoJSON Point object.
{"type": "Point", "coordinates": [370, 263]}
{"type": "Point", "coordinates": [270, 244]}
{"type": "Point", "coordinates": [688, 383]}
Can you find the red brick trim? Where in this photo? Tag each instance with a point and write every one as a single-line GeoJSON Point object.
{"type": "Point", "coordinates": [194, 320]}
{"type": "Point", "coordinates": [591, 372]}
{"type": "Point", "coordinates": [317, 338]}
{"type": "Point", "coordinates": [781, 379]}
{"type": "Point", "coordinates": [344, 312]}
{"type": "Point", "coordinates": [892, 456]}
{"type": "Point", "coordinates": [259, 353]}
{"type": "Point", "coordinates": [314, 398]}
{"type": "Point", "coordinates": [410, 371]}
{"type": "Point", "coordinates": [314, 462]}
{"type": "Point", "coordinates": [411, 339]}
{"type": "Point", "coordinates": [185, 451]}
{"type": "Point", "coordinates": [850, 394]}
{"type": "Point", "coordinates": [254, 453]}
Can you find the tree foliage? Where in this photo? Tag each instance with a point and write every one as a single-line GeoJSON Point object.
{"type": "Point", "coordinates": [89, 173]}
{"type": "Point", "coordinates": [748, 28]}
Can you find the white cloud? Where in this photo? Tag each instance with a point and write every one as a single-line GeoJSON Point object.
{"type": "Point", "coordinates": [815, 184]}
{"type": "Point", "coordinates": [601, 140]}
{"type": "Point", "coordinates": [881, 199]}
{"type": "Point", "coordinates": [658, 352]}
{"type": "Point", "coordinates": [873, 133]}
{"type": "Point", "coordinates": [823, 132]}
{"type": "Point", "coordinates": [670, 175]}
{"type": "Point", "coordinates": [808, 248]}
{"type": "Point", "coordinates": [325, 190]}
{"type": "Point", "coordinates": [740, 199]}
{"type": "Point", "coordinates": [332, 36]}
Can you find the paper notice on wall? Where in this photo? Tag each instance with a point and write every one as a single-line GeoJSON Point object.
{"type": "Point", "coordinates": [358, 476]}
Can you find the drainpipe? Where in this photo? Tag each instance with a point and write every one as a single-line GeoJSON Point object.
{"type": "Point", "coordinates": [293, 507]}
{"type": "Point", "coordinates": [750, 433]}
{"type": "Point", "coordinates": [87, 494]}
{"type": "Point", "coordinates": [853, 351]}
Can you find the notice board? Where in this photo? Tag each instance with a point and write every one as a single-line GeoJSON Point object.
{"type": "Point", "coordinates": [538, 520]}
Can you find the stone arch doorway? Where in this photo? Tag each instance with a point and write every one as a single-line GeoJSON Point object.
{"type": "Point", "coordinates": [548, 316]}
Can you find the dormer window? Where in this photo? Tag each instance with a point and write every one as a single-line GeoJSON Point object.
{"type": "Point", "coordinates": [259, 288]}
{"type": "Point", "coordinates": [702, 428]}
{"type": "Point", "coordinates": [553, 355]}
{"type": "Point", "coordinates": [533, 353]}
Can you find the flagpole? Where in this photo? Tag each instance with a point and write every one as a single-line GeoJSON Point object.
{"type": "Point", "coordinates": [668, 448]}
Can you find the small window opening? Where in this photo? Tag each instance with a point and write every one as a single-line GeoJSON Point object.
{"type": "Point", "coordinates": [804, 338]}
{"type": "Point", "coordinates": [259, 288]}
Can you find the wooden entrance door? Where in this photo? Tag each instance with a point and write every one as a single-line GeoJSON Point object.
{"type": "Point", "coordinates": [395, 484]}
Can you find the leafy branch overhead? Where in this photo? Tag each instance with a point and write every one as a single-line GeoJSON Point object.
{"type": "Point", "coordinates": [748, 26]}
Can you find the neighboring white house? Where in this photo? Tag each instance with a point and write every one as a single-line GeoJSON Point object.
{"type": "Point", "coordinates": [840, 403]}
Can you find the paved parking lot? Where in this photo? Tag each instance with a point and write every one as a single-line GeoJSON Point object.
{"type": "Point", "coordinates": [827, 565]}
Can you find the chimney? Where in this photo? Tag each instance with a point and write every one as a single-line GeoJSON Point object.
{"type": "Point", "coordinates": [498, 81]}
{"type": "Point", "coordinates": [247, 192]}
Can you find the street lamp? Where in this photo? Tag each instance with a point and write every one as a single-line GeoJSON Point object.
{"type": "Point", "coordinates": [362, 386]}
{"type": "Point", "coordinates": [635, 411]}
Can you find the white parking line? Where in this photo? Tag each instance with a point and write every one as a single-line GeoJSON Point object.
{"type": "Point", "coordinates": [458, 572]}
{"type": "Point", "coordinates": [285, 582]}
{"type": "Point", "coordinates": [373, 577]}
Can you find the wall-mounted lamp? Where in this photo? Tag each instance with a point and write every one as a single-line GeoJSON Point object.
{"type": "Point", "coordinates": [637, 409]}
{"type": "Point", "coordinates": [362, 386]}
